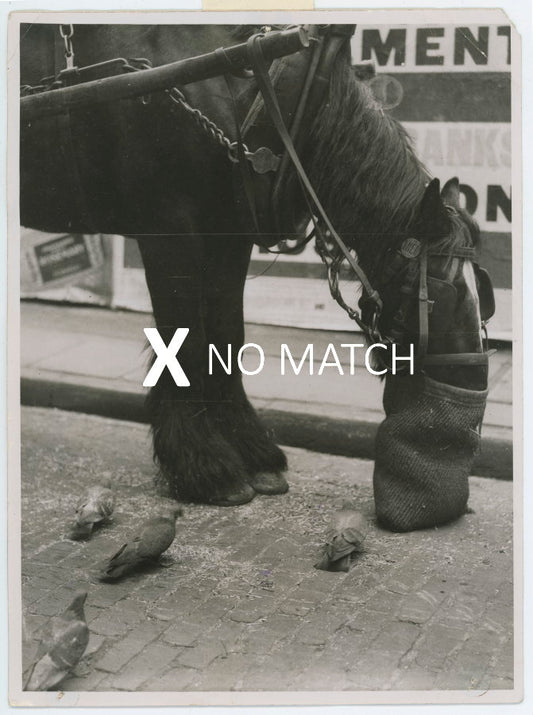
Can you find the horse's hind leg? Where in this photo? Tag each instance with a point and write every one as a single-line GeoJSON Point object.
{"type": "Point", "coordinates": [196, 462]}
{"type": "Point", "coordinates": [227, 260]}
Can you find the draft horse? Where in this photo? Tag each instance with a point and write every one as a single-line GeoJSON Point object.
{"type": "Point", "coordinates": [160, 171]}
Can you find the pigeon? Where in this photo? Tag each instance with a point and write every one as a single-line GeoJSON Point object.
{"type": "Point", "coordinates": [63, 643]}
{"type": "Point", "coordinates": [155, 537]}
{"type": "Point", "coordinates": [347, 533]}
{"type": "Point", "coordinates": [95, 507]}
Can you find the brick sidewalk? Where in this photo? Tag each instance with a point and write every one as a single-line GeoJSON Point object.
{"type": "Point", "coordinates": [238, 605]}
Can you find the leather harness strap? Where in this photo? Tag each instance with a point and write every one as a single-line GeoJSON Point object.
{"type": "Point", "coordinates": [301, 110]}
{"type": "Point", "coordinates": [423, 307]}
{"type": "Point", "coordinates": [465, 359]}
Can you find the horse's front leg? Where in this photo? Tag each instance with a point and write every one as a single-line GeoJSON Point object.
{"type": "Point", "coordinates": [227, 261]}
{"type": "Point", "coordinates": [195, 460]}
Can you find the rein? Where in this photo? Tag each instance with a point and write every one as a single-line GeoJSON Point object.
{"type": "Point", "coordinates": [424, 303]}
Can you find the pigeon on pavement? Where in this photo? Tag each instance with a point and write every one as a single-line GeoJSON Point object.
{"type": "Point", "coordinates": [155, 537]}
{"type": "Point", "coordinates": [95, 507]}
{"type": "Point", "coordinates": [63, 643]}
{"type": "Point", "coordinates": [347, 533]}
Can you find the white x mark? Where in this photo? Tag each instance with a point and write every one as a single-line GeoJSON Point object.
{"type": "Point", "coordinates": [166, 357]}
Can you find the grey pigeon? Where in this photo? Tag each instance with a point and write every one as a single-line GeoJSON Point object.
{"type": "Point", "coordinates": [347, 533]}
{"type": "Point", "coordinates": [95, 507]}
{"type": "Point", "coordinates": [63, 643]}
{"type": "Point", "coordinates": [155, 537]}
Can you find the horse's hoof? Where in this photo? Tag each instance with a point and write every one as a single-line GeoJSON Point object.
{"type": "Point", "coordinates": [269, 483]}
{"type": "Point", "coordinates": [244, 495]}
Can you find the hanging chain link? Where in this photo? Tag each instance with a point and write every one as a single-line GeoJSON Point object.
{"type": "Point", "coordinates": [208, 126]}
{"type": "Point", "coordinates": [67, 32]}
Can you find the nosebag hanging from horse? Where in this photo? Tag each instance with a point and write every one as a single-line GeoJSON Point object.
{"type": "Point", "coordinates": [198, 173]}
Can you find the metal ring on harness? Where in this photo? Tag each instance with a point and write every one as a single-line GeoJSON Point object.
{"type": "Point", "coordinates": [67, 39]}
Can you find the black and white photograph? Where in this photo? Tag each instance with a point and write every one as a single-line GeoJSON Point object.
{"type": "Point", "coordinates": [265, 345]}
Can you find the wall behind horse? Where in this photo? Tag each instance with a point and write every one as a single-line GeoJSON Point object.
{"type": "Point", "coordinates": [451, 88]}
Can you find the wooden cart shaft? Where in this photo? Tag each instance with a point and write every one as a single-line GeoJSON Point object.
{"type": "Point", "coordinates": [137, 84]}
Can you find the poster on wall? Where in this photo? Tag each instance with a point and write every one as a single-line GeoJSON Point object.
{"type": "Point", "coordinates": [67, 267]}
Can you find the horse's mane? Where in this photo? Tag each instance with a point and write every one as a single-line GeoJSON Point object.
{"type": "Point", "coordinates": [363, 165]}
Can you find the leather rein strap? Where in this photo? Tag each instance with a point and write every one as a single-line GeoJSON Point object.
{"type": "Point", "coordinates": [422, 358]}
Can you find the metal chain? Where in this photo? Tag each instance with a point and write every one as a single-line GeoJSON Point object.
{"type": "Point", "coordinates": [212, 129]}
{"type": "Point", "coordinates": [333, 261]}
{"type": "Point", "coordinates": [67, 34]}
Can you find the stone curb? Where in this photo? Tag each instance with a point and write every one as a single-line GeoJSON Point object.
{"type": "Point", "coordinates": [331, 435]}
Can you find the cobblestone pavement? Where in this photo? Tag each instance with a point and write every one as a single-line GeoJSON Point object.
{"type": "Point", "coordinates": [237, 604]}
